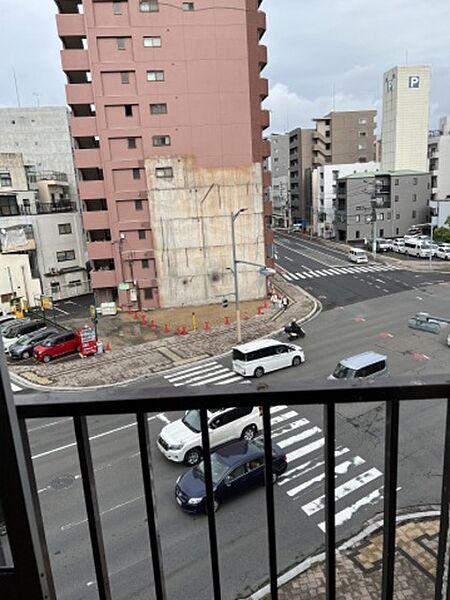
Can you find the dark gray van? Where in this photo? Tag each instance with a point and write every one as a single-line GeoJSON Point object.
{"type": "Point", "coordinates": [361, 366]}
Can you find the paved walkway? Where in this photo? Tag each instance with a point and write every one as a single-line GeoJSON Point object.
{"type": "Point", "coordinates": [358, 568]}
{"type": "Point", "coordinates": [127, 364]}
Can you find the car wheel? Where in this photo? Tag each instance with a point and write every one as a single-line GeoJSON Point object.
{"type": "Point", "coordinates": [47, 358]}
{"type": "Point", "coordinates": [26, 354]}
{"type": "Point", "coordinates": [249, 433]}
{"type": "Point", "coordinates": [192, 457]}
{"type": "Point", "coordinates": [296, 361]}
{"type": "Point", "coordinates": [259, 372]}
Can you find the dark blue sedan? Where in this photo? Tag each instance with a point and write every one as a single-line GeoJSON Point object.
{"type": "Point", "coordinates": [236, 467]}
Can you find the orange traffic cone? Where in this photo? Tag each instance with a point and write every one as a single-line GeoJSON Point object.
{"type": "Point", "coordinates": [152, 324]}
{"type": "Point", "coordinates": [135, 317]}
{"type": "Point", "coordinates": [183, 330]}
{"type": "Point", "coordinates": [226, 321]}
{"type": "Point", "coordinates": [108, 346]}
{"type": "Point", "coordinates": [260, 310]}
{"type": "Point", "coordinates": [207, 327]}
{"type": "Point", "coordinates": [166, 328]}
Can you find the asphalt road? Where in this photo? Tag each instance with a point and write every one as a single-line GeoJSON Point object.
{"type": "Point", "coordinates": [378, 323]}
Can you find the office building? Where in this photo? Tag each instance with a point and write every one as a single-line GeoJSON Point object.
{"type": "Point", "coordinates": [279, 168]}
{"type": "Point", "coordinates": [167, 126]}
{"type": "Point", "coordinates": [324, 187]}
{"type": "Point", "coordinates": [406, 103]}
{"type": "Point", "coordinates": [340, 137]}
{"type": "Point", "coordinates": [439, 165]}
{"type": "Point", "coordinates": [405, 197]}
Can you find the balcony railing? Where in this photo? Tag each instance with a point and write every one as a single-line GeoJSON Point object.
{"type": "Point", "coordinates": [55, 207]}
{"type": "Point", "coordinates": [31, 576]}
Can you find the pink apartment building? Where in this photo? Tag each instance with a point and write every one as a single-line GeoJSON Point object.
{"type": "Point", "coordinates": [167, 127]}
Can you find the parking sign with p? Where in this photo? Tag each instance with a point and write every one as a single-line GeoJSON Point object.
{"type": "Point", "coordinates": [414, 81]}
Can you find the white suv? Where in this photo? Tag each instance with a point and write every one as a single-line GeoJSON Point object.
{"type": "Point", "coordinates": [181, 441]}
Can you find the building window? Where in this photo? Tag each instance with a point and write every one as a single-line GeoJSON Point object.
{"type": "Point", "coordinates": [149, 6]}
{"type": "Point", "coordinates": [397, 231]}
{"type": "Point", "coordinates": [164, 172]}
{"type": "Point", "coordinates": [145, 263]}
{"type": "Point", "coordinates": [117, 8]}
{"type": "Point", "coordinates": [158, 109]}
{"type": "Point", "coordinates": [327, 133]}
{"type": "Point", "coordinates": [161, 140]}
{"type": "Point", "coordinates": [120, 43]}
{"type": "Point", "coordinates": [152, 41]}
{"type": "Point", "coordinates": [380, 216]}
{"type": "Point", "coordinates": [155, 75]}
{"type": "Point", "coordinates": [8, 206]}
{"type": "Point", "coordinates": [362, 159]}
{"type": "Point", "coordinates": [362, 121]}
{"type": "Point", "coordinates": [131, 143]}
{"type": "Point", "coordinates": [397, 216]}
{"type": "Point", "coordinates": [357, 234]}
{"type": "Point", "coordinates": [358, 218]}
{"type": "Point", "coordinates": [188, 6]}
{"type": "Point", "coordinates": [128, 110]}
{"type": "Point", "coordinates": [65, 255]}
{"type": "Point", "coordinates": [396, 181]}
{"type": "Point", "coordinates": [55, 287]}
{"type": "Point", "coordinates": [64, 228]}
{"type": "Point", "coordinates": [396, 198]}
{"type": "Point", "coordinates": [414, 197]}
{"type": "Point", "coordinates": [136, 173]}
{"type": "Point", "coordinates": [142, 234]}
{"type": "Point", "coordinates": [414, 180]}
{"type": "Point", "coordinates": [413, 214]}
{"type": "Point", "coordinates": [361, 146]}
{"type": "Point", "coordinates": [388, 216]}
{"type": "Point", "coordinates": [5, 179]}
{"type": "Point", "coordinates": [148, 293]}
{"type": "Point", "coordinates": [381, 232]}
{"type": "Point", "coordinates": [138, 205]}
{"type": "Point", "coordinates": [362, 133]}
{"type": "Point", "coordinates": [125, 77]}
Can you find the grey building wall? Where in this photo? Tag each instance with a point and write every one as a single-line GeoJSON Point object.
{"type": "Point", "coordinates": [42, 136]}
{"type": "Point", "coordinates": [279, 166]}
{"type": "Point", "coordinates": [406, 197]}
{"type": "Point", "coordinates": [300, 164]}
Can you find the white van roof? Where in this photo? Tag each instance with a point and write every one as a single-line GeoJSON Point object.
{"type": "Point", "coordinates": [257, 345]}
{"type": "Point", "coordinates": [358, 250]}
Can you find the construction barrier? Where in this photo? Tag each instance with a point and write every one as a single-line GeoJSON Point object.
{"type": "Point", "coordinates": [226, 321]}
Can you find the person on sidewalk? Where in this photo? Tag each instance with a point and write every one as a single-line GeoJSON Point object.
{"type": "Point", "coordinates": [285, 302]}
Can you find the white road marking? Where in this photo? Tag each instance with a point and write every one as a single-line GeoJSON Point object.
{"type": "Point", "coordinates": [307, 274]}
{"type": "Point", "coordinates": [225, 374]}
{"type": "Point", "coordinates": [192, 373]}
{"type": "Point", "coordinates": [286, 276]}
{"type": "Point", "coordinates": [304, 450]}
{"type": "Point", "coordinates": [287, 258]}
{"type": "Point", "coordinates": [339, 470]}
{"type": "Point", "coordinates": [52, 424]}
{"type": "Point", "coordinates": [299, 437]}
{"type": "Point", "coordinates": [300, 275]}
{"type": "Point", "coordinates": [275, 409]}
{"type": "Point", "coordinates": [307, 467]}
{"type": "Point", "coordinates": [216, 371]}
{"type": "Point", "coordinates": [284, 417]}
{"type": "Point", "coordinates": [345, 514]}
{"type": "Point", "coordinates": [61, 310]}
{"type": "Point", "coordinates": [103, 512]}
{"type": "Point", "coordinates": [343, 490]}
{"type": "Point", "coordinates": [191, 370]}
{"type": "Point", "coordinates": [293, 276]}
{"type": "Point", "coordinates": [233, 379]}
{"type": "Point", "coordinates": [289, 427]}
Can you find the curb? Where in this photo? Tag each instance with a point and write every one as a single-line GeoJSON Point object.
{"type": "Point", "coordinates": [353, 541]}
{"type": "Point", "coordinates": [21, 381]}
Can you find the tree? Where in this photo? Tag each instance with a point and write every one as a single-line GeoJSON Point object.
{"type": "Point", "coordinates": [441, 234]}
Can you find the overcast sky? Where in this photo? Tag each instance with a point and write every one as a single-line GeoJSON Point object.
{"type": "Point", "coordinates": [312, 44]}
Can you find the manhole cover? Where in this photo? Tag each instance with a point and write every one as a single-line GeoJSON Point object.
{"type": "Point", "coordinates": [63, 482]}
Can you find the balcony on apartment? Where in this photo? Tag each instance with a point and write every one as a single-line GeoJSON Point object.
{"type": "Point", "coordinates": [262, 56]}
{"type": "Point", "coordinates": [79, 93]}
{"type": "Point", "coordinates": [86, 158]}
{"type": "Point", "coordinates": [261, 23]}
{"type": "Point", "coordinates": [75, 60]}
{"type": "Point", "coordinates": [30, 574]}
{"type": "Point", "coordinates": [103, 278]}
{"type": "Point", "coordinates": [96, 220]}
{"type": "Point", "coordinates": [83, 126]}
{"type": "Point", "coordinates": [263, 88]}
{"type": "Point", "coordinates": [265, 119]}
{"type": "Point", "coordinates": [70, 25]}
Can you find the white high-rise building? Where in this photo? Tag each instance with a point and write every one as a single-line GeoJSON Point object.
{"type": "Point", "coordinates": [406, 102]}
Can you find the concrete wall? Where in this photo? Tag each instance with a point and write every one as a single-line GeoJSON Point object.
{"type": "Point", "coordinates": [192, 230]}
{"type": "Point", "coordinates": [406, 105]}
{"type": "Point", "coordinates": [16, 280]}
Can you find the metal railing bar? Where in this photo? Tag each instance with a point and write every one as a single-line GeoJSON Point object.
{"type": "Point", "coordinates": [444, 541]}
{"type": "Point", "coordinates": [120, 401]}
{"type": "Point", "coordinates": [150, 504]}
{"type": "Point", "coordinates": [270, 504]}
{"type": "Point", "coordinates": [46, 564]}
{"type": "Point", "coordinates": [92, 509]}
{"type": "Point", "coordinates": [213, 549]}
{"type": "Point", "coordinates": [330, 504]}
{"type": "Point", "coordinates": [390, 497]}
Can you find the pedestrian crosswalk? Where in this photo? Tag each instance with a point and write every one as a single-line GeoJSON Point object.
{"type": "Point", "coordinates": [358, 484]}
{"type": "Point", "coordinates": [330, 271]}
{"type": "Point", "coordinates": [212, 373]}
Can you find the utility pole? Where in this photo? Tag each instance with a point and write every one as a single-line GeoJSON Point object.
{"type": "Point", "coordinates": [375, 202]}
{"type": "Point", "coordinates": [234, 216]}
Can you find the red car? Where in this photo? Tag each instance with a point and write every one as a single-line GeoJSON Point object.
{"type": "Point", "coordinates": [58, 345]}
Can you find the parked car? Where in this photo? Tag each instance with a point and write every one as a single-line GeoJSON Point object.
{"type": "Point", "coordinates": [58, 345]}
{"type": "Point", "coordinates": [182, 440]}
{"type": "Point", "coordinates": [361, 366]}
{"type": "Point", "coordinates": [442, 252]}
{"type": "Point", "coordinates": [262, 356]}
{"type": "Point", "coordinates": [236, 467]}
{"type": "Point", "coordinates": [16, 330]}
{"type": "Point", "coordinates": [6, 319]}
{"type": "Point", "coordinates": [25, 345]}
{"type": "Point", "coordinates": [398, 245]}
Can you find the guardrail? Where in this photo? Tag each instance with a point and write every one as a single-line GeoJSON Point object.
{"type": "Point", "coordinates": [20, 494]}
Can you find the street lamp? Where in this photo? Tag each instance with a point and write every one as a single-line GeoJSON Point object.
{"type": "Point", "coordinates": [234, 216]}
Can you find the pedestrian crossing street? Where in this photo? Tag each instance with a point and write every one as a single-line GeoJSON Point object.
{"type": "Point", "coordinates": [358, 484]}
{"type": "Point", "coordinates": [330, 271]}
{"type": "Point", "coordinates": [208, 373]}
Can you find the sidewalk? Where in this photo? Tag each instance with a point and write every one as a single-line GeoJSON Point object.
{"type": "Point", "coordinates": [138, 361]}
{"type": "Point", "coordinates": [359, 565]}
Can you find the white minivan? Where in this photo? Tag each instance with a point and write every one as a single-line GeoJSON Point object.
{"type": "Point", "coordinates": [357, 255]}
{"type": "Point", "coordinates": [417, 247]}
{"type": "Point", "coordinates": [262, 356]}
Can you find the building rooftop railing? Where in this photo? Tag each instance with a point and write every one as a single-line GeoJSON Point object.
{"type": "Point", "coordinates": [139, 403]}
{"type": "Point", "coordinates": [52, 176]}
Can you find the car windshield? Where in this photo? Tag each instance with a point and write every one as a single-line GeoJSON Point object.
{"type": "Point", "coordinates": [23, 341]}
{"type": "Point", "coordinates": [192, 420]}
{"type": "Point", "coordinates": [48, 343]}
{"type": "Point", "coordinates": [341, 371]}
{"type": "Point", "coordinates": [10, 333]}
{"type": "Point", "coordinates": [219, 468]}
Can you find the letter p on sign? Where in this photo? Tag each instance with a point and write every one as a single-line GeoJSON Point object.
{"type": "Point", "coordinates": [414, 81]}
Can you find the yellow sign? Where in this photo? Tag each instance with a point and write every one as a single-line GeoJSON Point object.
{"type": "Point", "coordinates": [93, 312]}
{"type": "Point", "coordinates": [46, 302]}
